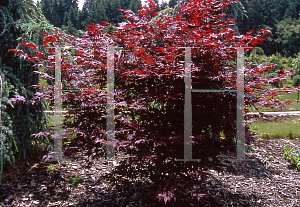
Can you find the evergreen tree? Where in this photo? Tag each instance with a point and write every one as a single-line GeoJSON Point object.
{"type": "Point", "coordinates": [135, 6]}
{"type": "Point", "coordinates": [67, 4]}
{"type": "Point", "coordinates": [60, 13]}
{"type": "Point", "coordinates": [71, 21]}
{"type": "Point", "coordinates": [21, 20]}
{"type": "Point", "coordinates": [54, 19]}
{"type": "Point", "coordinates": [132, 6]}
{"type": "Point", "coordinates": [56, 11]}
{"type": "Point", "coordinates": [172, 3]}
{"type": "Point", "coordinates": [71, 29]}
{"type": "Point", "coordinates": [112, 11]}
{"type": "Point", "coordinates": [83, 18]}
{"type": "Point", "coordinates": [125, 4]}
{"type": "Point", "coordinates": [291, 11]}
{"type": "Point", "coordinates": [46, 8]}
{"type": "Point", "coordinates": [96, 12]}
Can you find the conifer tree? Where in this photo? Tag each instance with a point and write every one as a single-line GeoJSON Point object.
{"type": "Point", "coordinates": [112, 11]}
{"type": "Point", "coordinates": [291, 11]}
{"type": "Point", "coordinates": [172, 3]}
{"type": "Point", "coordinates": [46, 8]}
{"type": "Point", "coordinates": [67, 4]}
{"type": "Point", "coordinates": [96, 12]}
{"type": "Point", "coordinates": [125, 4]}
{"type": "Point", "coordinates": [54, 19]}
{"type": "Point", "coordinates": [135, 6]}
{"type": "Point", "coordinates": [56, 10]}
{"type": "Point", "coordinates": [71, 21]}
{"type": "Point", "coordinates": [20, 21]}
{"type": "Point", "coordinates": [83, 15]}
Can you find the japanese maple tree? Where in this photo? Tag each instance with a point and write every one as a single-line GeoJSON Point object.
{"type": "Point", "coordinates": [149, 89]}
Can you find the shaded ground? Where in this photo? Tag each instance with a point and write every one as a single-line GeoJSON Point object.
{"type": "Point", "coordinates": [265, 181]}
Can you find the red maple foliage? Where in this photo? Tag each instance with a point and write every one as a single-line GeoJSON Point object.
{"type": "Point", "coordinates": [149, 89]}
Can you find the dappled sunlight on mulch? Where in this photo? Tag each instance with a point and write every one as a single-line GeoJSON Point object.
{"type": "Point", "coordinates": [265, 181]}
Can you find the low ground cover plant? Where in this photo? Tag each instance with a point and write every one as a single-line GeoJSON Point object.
{"type": "Point", "coordinates": [148, 69]}
{"type": "Point", "coordinates": [75, 181]}
{"type": "Point", "coordinates": [51, 168]}
{"type": "Point", "coordinates": [292, 157]}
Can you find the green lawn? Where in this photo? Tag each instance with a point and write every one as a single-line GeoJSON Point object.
{"type": "Point", "coordinates": [289, 96]}
{"type": "Point", "coordinates": [285, 129]}
{"type": "Point", "coordinates": [273, 130]}
{"type": "Point", "coordinates": [293, 107]}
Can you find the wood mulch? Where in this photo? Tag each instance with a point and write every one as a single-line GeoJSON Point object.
{"type": "Point", "coordinates": [266, 180]}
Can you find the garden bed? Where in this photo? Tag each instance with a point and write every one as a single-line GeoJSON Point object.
{"type": "Point", "coordinates": [267, 180]}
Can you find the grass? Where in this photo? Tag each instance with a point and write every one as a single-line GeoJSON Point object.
{"type": "Point", "coordinates": [273, 130]}
{"type": "Point", "coordinates": [289, 96]}
{"type": "Point", "coordinates": [293, 107]}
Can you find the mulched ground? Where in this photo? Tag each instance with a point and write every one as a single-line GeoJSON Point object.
{"type": "Point", "coordinates": [265, 180]}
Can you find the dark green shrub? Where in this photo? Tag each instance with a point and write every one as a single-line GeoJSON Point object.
{"type": "Point", "coordinates": [296, 80]}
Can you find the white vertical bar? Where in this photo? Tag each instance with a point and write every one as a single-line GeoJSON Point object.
{"type": "Point", "coordinates": [240, 148]}
{"type": "Point", "coordinates": [188, 147]}
{"type": "Point", "coordinates": [58, 107]}
{"type": "Point", "coordinates": [110, 124]}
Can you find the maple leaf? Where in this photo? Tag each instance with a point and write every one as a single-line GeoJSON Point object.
{"type": "Point", "coordinates": [200, 196]}
{"type": "Point", "coordinates": [79, 52]}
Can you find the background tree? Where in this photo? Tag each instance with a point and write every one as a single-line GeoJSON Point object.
{"type": "Point", "coordinates": [296, 82]}
{"type": "Point", "coordinates": [125, 3]}
{"type": "Point", "coordinates": [97, 12]}
{"type": "Point", "coordinates": [134, 6]}
{"type": "Point", "coordinates": [46, 7]}
{"type": "Point", "coordinates": [172, 3]}
{"type": "Point", "coordinates": [248, 15]}
{"type": "Point", "coordinates": [287, 34]}
{"type": "Point", "coordinates": [291, 11]}
{"type": "Point", "coordinates": [71, 21]}
{"type": "Point", "coordinates": [57, 10]}
{"type": "Point", "coordinates": [84, 14]}
{"type": "Point", "coordinates": [267, 15]}
{"type": "Point", "coordinates": [55, 14]}
{"type": "Point", "coordinates": [112, 11]}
